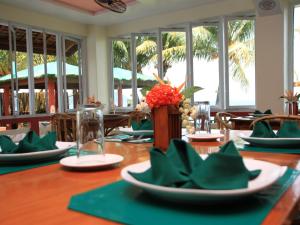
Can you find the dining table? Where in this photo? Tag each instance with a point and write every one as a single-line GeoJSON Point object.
{"type": "Point", "coordinates": [41, 195]}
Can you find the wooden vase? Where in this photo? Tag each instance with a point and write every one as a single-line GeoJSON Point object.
{"type": "Point", "coordinates": [166, 125]}
{"type": "Point", "coordinates": [293, 108]}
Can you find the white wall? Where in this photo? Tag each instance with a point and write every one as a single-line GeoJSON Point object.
{"type": "Point", "coordinates": [269, 67]}
{"type": "Point", "coordinates": [40, 20]}
{"type": "Point", "coordinates": [97, 59]}
{"type": "Point", "coordinates": [205, 11]}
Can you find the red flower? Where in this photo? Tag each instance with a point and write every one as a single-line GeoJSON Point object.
{"type": "Point", "coordinates": [163, 94]}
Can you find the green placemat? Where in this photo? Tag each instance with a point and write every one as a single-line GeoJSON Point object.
{"type": "Point", "coordinates": [272, 150]}
{"type": "Point", "coordinates": [126, 204]}
{"type": "Point", "coordinates": [11, 169]}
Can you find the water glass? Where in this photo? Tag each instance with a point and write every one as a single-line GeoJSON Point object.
{"type": "Point", "coordinates": [202, 120]}
{"type": "Point", "coordinates": [90, 130]}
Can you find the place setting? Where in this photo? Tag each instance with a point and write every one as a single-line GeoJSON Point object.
{"type": "Point", "coordinates": [263, 138]}
{"type": "Point", "coordinates": [31, 151]}
{"type": "Point", "coordinates": [90, 151]}
{"type": "Point", "coordinates": [172, 183]}
{"type": "Point", "coordinates": [139, 132]}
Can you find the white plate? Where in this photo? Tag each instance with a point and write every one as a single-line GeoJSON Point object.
{"type": "Point", "coordinates": [259, 114]}
{"type": "Point", "coordinates": [91, 161]}
{"type": "Point", "coordinates": [130, 131]}
{"type": "Point", "coordinates": [272, 142]}
{"type": "Point", "coordinates": [205, 137]}
{"type": "Point", "coordinates": [269, 174]}
{"type": "Point", "coordinates": [63, 147]}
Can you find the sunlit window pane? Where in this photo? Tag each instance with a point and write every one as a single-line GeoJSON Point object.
{"type": "Point", "coordinates": [296, 49]}
{"type": "Point", "coordinates": [72, 70]}
{"type": "Point", "coordinates": [174, 57]}
{"type": "Point", "coordinates": [146, 63]}
{"type": "Point", "coordinates": [5, 73]}
{"type": "Point", "coordinates": [241, 53]}
{"type": "Point", "coordinates": [122, 73]}
{"type": "Point", "coordinates": [206, 63]}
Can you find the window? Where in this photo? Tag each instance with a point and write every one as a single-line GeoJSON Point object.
{"type": "Point", "coordinates": [72, 73]}
{"type": "Point", "coordinates": [241, 52]}
{"type": "Point", "coordinates": [219, 53]}
{"type": "Point", "coordinates": [206, 62]}
{"type": "Point", "coordinates": [122, 73]}
{"type": "Point", "coordinates": [145, 62]}
{"type": "Point", "coordinates": [174, 56]}
{"type": "Point", "coordinates": [33, 66]}
{"type": "Point", "coordinates": [296, 68]}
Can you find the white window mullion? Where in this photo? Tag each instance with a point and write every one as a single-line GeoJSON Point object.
{"type": "Point", "coordinates": [224, 64]}
{"type": "Point", "coordinates": [46, 70]}
{"type": "Point", "coordinates": [60, 86]}
{"type": "Point", "coordinates": [30, 71]}
{"type": "Point", "coordinates": [133, 69]}
{"type": "Point", "coordinates": [189, 56]}
{"type": "Point", "coordinates": [159, 54]}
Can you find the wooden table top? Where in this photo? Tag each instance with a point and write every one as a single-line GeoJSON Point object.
{"type": "Point", "coordinates": [41, 195]}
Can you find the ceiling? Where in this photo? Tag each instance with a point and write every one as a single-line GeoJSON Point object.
{"type": "Point", "coordinates": [88, 15]}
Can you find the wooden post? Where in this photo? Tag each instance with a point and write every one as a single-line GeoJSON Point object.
{"type": "Point", "coordinates": [120, 94]}
{"type": "Point", "coordinates": [51, 96]}
{"type": "Point", "coordinates": [6, 101]}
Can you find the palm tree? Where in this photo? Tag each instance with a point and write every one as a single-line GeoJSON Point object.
{"type": "Point", "coordinates": [205, 46]}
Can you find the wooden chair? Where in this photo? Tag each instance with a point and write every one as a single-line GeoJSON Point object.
{"type": "Point", "coordinates": [223, 120]}
{"type": "Point", "coordinates": [276, 118]}
{"type": "Point", "coordinates": [65, 126]}
{"type": "Point", "coordinates": [137, 116]}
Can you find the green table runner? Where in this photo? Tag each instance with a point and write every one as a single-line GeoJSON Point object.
{"type": "Point", "coordinates": [5, 169]}
{"type": "Point", "coordinates": [272, 150]}
{"type": "Point", "coordinates": [127, 204]}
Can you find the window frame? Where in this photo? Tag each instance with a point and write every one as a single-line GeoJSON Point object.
{"type": "Point", "coordinates": [222, 23]}
{"type": "Point", "coordinates": [60, 56]}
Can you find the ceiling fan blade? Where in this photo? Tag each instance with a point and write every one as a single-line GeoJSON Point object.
{"type": "Point", "coordinates": [113, 5]}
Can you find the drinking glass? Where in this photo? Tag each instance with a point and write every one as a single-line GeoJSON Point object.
{"type": "Point", "coordinates": [90, 130]}
{"type": "Point", "coordinates": [202, 120]}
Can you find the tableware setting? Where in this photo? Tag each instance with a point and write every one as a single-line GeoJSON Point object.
{"type": "Point", "coordinates": [172, 183]}
{"type": "Point", "coordinates": [130, 131]}
{"type": "Point", "coordinates": [288, 135]}
{"type": "Point", "coordinates": [92, 161]}
{"type": "Point", "coordinates": [160, 176]}
{"type": "Point", "coordinates": [62, 148]}
{"type": "Point", "coordinates": [205, 136]}
{"type": "Point", "coordinates": [90, 142]}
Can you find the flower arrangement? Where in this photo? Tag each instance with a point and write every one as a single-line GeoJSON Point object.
{"type": "Point", "coordinates": [188, 111]}
{"type": "Point", "coordinates": [164, 93]}
{"type": "Point", "coordinates": [290, 96]}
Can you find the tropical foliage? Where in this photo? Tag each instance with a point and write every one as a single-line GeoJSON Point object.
{"type": "Point", "coordinates": [205, 46]}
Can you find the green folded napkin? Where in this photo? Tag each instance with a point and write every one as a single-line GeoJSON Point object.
{"type": "Point", "coordinates": [142, 125]}
{"type": "Point", "coordinates": [263, 129]}
{"type": "Point", "coordinates": [182, 167]}
{"type": "Point", "coordinates": [289, 129]}
{"type": "Point", "coordinates": [30, 143]}
{"type": "Point", "coordinates": [268, 111]}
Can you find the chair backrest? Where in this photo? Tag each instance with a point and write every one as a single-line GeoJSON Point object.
{"type": "Point", "coordinates": [16, 134]}
{"type": "Point", "coordinates": [137, 116]}
{"type": "Point", "coordinates": [223, 120]}
{"type": "Point", "coordinates": [278, 118]}
{"type": "Point", "coordinates": [65, 126]}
